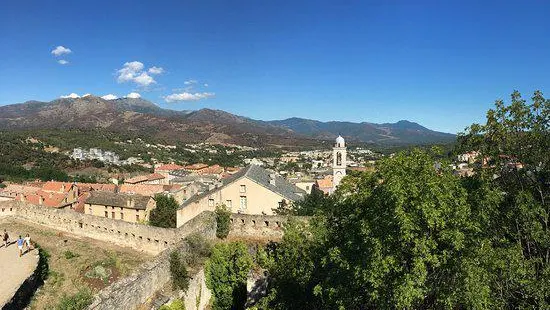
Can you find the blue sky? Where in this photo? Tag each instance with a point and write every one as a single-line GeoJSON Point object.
{"type": "Point", "coordinates": [439, 63]}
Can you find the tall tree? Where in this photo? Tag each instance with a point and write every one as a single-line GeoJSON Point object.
{"type": "Point", "coordinates": [165, 212]}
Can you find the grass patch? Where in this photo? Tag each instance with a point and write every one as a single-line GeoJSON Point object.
{"type": "Point", "coordinates": [68, 254]}
{"type": "Point", "coordinates": [78, 301]}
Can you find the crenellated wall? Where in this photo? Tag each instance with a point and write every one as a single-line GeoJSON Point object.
{"type": "Point", "coordinates": [138, 236]}
{"type": "Point", "coordinates": [258, 226]}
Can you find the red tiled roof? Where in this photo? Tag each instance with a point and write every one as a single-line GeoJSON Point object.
{"type": "Point", "coordinates": [155, 176]}
{"type": "Point", "coordinates": [13, 190]}
{"type": "Point", "coordinates": [49, 199]}
{"type": "Point", "coordinates": [106, 187]}
{"type": "Point", "coordinates": [54, 186]}
{"type": "Point", "coordinates": [215, 169]}
{"type": "Point", "coordinates": [142, 189]}
{"type": "Point", "coordinates": [135, 180]}
{"type": "Point", "coordinates": [197, 166]}
{"type": "Point", "coordinates": [325, 183]}
{"type": "Point", "coordinates": [168, 167]}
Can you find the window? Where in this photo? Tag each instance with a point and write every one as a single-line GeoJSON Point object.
{"type": "Point", "coordinates": [243, 203]}
{"type": "Point", "coordinates": [90, 210]}
{"type": "Point", "coordinates": [106, 214]}
{"type": "Point", "coordinates": [210, 202]}
{"type": "Point", "coordinates": [113, 214]}
{"type": "Point", "coordinates": [243, 189]}
{"type": "Point", "coordinates": [229, 203]}
{"type": "Point", "coordinates": [137, 217]}
{"type": "Point", "coordinates": [121, 215]}
{"type": "Point", "coordinates": [338, 159]}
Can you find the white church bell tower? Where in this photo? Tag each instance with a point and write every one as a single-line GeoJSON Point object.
{"type": "Point", "coordinates": [339, 162]}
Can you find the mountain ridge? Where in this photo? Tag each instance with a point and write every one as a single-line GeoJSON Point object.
{"type": "Point", "coordinates": [210, 125]}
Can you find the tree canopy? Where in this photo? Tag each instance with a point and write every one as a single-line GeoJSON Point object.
{"type": "Point", "coordinates": [414, 235]}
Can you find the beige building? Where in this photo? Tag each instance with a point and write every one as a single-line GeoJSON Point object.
{"type": "Point", "coordinates": [126, 207]}
{"type": "Point", "coordinates": [253, 190]}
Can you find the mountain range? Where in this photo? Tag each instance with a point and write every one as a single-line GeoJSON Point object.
{"type": "Point", "coordinates": [205, 125]}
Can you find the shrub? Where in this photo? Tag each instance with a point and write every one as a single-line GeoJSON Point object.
{"type": "Point", "coordinates": [68, 254]}
{"type": "Point", "coordinates": [175, 305]}
{"type": "Point", "coordinates": [223, 218]}
{"type": "Point", "coordinates": [198, 249]}
{"type": "Point", "coordinates": [178, 272]}
{"type": "Point", "coordinates": [78, 301]}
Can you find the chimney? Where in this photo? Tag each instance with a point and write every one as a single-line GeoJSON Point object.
{"type": "Point", "coordinates": [51, 195]}
{"type": "Point", "coordinates": [63, 187]}
{"type": "Point", "coordinates": [132, 204]}
{"type": "Point", "coordinates": [40, 200]}
{"type": "Point", "coordinates": [272, 179]}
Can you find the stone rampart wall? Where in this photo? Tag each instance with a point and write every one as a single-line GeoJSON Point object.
{"type": "Point", "coordinates": [258, 226]}
{"type": "Point", "coordinates": [138, 236]}
{"type": "Point", "coordinates": [134, 290]}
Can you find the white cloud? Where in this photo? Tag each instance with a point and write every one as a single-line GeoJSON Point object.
{"type": "Point", "coordinates": [144, 79]}
{"type": "Point", "coordinates": [133, 72]}
{"type": "Point", "coordinates": [205, 85]}
{"type": "Point", "coordinates": [185, 96]}
{"type": "Point", "coordinates": [71, 95]}
{"type": "Point", "coordinates": [61, 50]}
{"type": "Point", "coordinates": [156, 70]}
{"type": "Point", "coordinates": [190, 82]}
{"type": "Point", "coordinates": [62, 62]}
{"type": "Point", "coordinates": [109, 97]}
{"type": "Point", "coordinates": [86, 95]}
{"type": "Point", "coordinates": [133, 95]}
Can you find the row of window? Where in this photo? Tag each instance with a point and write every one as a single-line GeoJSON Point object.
{"type": "Point", "coordinates": [229, 203]}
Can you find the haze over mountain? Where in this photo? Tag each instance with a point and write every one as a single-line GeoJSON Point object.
{"type": "Point", "coordinates": [215, 126]}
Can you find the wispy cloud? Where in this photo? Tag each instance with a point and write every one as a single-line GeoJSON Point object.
{"type": "Point", "coordinates": [109, 97]}
{"type": "Point", "coordinates": [71, 95]}
{"type": "Point", "coordinates": [61, 50]}
{"type": "Point", "coordinates": [62, 62]}
{"type": "Point", "coordinates": [133, 95]}
{"type": "Point", "coordinates": [156, 70]}
{"type": "Point", "coordinates": [134, 72]}
{"type": "Point", "coordinates": [190, 82]}
{"type": "Point", "coordinates": [186, 96]}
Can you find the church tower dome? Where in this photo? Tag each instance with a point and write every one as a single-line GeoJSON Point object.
{"type": "Point", "coordinates": [340, 142]}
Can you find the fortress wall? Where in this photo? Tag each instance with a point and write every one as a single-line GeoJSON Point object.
{"type": "Point", "coordinates": [134, 290]}
{"type": "Point", "coordinates": [258, 226]}
{"type": "Point", "coordinates": [141, 237]}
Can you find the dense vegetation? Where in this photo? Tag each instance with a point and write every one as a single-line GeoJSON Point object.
{"type": "Point", "coordinates": [226, 272]}
{"type": "Point", "coordinates": [413, 235]}
{"type": "Point", "coordinates": [165, 212]}
{"type": "Point", "coordinates": [223, 221]}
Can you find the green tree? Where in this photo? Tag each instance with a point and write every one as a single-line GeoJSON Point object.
{"type": "Point", "coordinates": [178, 272]}
{"type": "Point", "coordinates": [223, 221]}
{"type": "Point", "coordinates": [165, 212]}
{"type": "Point", "coordinates": [226, 273]}
{"type": "Point", "coordinates": [514, 162]}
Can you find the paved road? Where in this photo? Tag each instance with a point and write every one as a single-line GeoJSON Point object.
{"type": "Point", "coordinates": [14, 270]}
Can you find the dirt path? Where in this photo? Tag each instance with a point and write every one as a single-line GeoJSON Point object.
{"type": "Point", "coordinates": [14, 269]}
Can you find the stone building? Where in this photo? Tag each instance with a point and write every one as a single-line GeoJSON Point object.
{"type": "Point", "coordinates": [253, 190]}
{"type": "Point", "coordinates": [339, 161]}
{"type": "Point", "coordinates": [125, 207]}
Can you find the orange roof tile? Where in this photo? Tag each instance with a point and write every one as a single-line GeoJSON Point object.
{"type": "Point", "coordinates": [197, 166]}
{"type": "Point", "coordinates": [169, 167]}
{"type": "Point", "coordinates": [142, 189]}
{"type": "Point", "coordinates": [155, 176]}
{"type": "Point", "coordinates": [54, 186]}
{"type": "Point", "coordinates": [135, 180]}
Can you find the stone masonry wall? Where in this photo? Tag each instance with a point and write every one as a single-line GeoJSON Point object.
{"type": "Point", "coordinates": [258, 226]}
{"type": "Point", "coordinates": [137, 236]}
{"type": "Point", "coordinates": [132, 291]}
